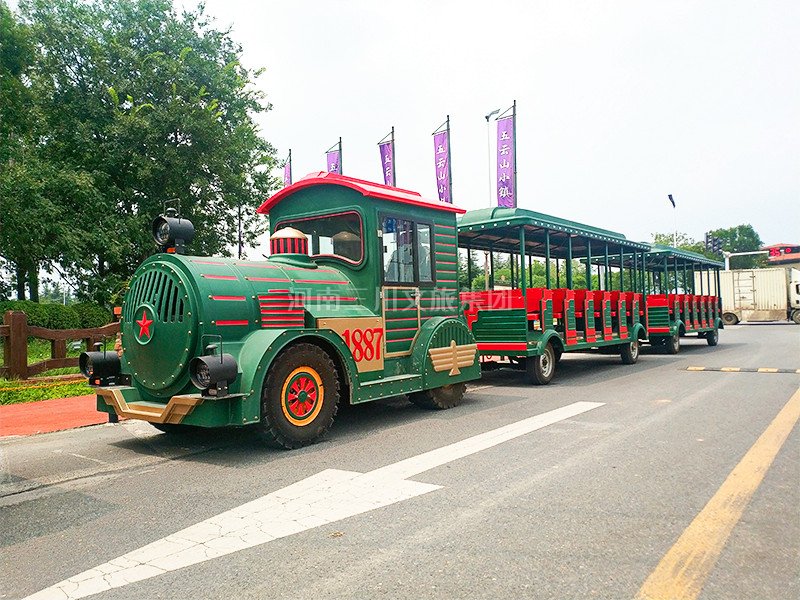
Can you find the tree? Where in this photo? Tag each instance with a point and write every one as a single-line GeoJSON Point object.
{"type": "Point", "coordinates": [17, 127]}
{"type": "Point", "coordinates": [742, 238]}
{"type": "Point", "coordinates": [685, 242]}
{"type": "Point", "coordinates": [137, 104]}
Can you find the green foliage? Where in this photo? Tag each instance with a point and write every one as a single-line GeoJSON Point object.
{"type": "Point", "coordinates": [91, 315]}
{"type": "Point", "coordinates": [37, 314]}
{"type": "Point", "coordinates": [742, 238]}
{"type": "Point", "coordinates": [124, 105]}
{"type": "Point", "coordinates": [61, 317]}
{"type": "Point", "coordinates": [684, 243]}
{"type": "Point", "coordinates": [50, 316]}
{"type": "Point", "coordinates": [57, 316]}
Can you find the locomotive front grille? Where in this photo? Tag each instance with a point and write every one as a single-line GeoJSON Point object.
{"type": "Point", "coordinates": [159, 329]}
{"type": "Point", "coordinates": [160, 289]}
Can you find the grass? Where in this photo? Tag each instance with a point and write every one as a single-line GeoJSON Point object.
{"type": "Point", "coordinates": [31, 390]}
{"type": "Point", "coordinates": [15, 392]}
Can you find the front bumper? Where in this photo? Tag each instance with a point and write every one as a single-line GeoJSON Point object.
{"type": "Point", "coordinates": [125, 402]}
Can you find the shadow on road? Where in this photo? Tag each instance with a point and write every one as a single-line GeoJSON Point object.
{"type": "Point", "coordinates": [242, 446]}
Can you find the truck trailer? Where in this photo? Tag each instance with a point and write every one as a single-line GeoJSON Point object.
{"type": "Point", "coordinates": [759, 295]}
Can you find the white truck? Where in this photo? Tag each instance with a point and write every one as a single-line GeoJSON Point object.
{"type": "Point", "coordinates": [756, 295]}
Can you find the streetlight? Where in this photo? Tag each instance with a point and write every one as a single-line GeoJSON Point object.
{"type": "Point", "coordinates": [489, 183]}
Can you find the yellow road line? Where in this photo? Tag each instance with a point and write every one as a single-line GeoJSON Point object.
{"type": "Point", "coordinates": [684, 569]}
{"type": "Point", "coordinates": [730, 369]}
{"type": "Point", "coordinates": [767, 370]}
{"type": "Point", "coordinates": [695, 368]}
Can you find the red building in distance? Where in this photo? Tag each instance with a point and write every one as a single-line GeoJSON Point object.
{"type": "Point", "coordinates": [783, 255]}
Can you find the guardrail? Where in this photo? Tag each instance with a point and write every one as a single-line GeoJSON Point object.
{"type": "Point", "coordinates": [15, 331]}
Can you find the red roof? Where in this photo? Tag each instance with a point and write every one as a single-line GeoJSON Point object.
{"type": "Point", "coordinates": [366, 188]}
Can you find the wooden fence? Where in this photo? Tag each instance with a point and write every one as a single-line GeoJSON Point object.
{"type": "Point", "coordinates": [15, 332]}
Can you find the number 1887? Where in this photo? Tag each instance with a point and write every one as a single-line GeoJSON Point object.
{"type": "Point", "coordinates": [365, 344]}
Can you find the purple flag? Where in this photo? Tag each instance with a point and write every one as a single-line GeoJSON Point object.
{"type": "Point", "coordinates": [287, 172]}
{"type": "Point", "coordinates": [506, 194]}
{"type": "Point", "coordinates": [387, 161]}
{"type": "Point", "coordinates": [441, 144]}
{"type": "Point", "coordinates": [334, 161]}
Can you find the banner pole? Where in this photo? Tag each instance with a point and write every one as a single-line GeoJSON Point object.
{"type": "Point", "coordinates": [394, 164]}
{"type": "Point", "coordinates": [290, 165]}
{"type": "Point", "coordinates": [341, 169]}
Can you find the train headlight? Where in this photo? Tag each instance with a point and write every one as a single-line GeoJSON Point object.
{"type": "Point", "coordinates": [213, 373]}
{"type": "Point", "coordinates": [100, 367]}
{"type": "Point", "coordinates": [161, 233]}
{"type": "Point", "coordinates": [172, 232]}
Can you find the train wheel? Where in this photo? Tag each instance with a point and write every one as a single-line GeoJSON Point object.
{"type": "Point", "coordinates": [300, 397]}
{"type": "Point", "coordinates": [630, 352]}
{"type": "Point", "coordinates": [541, 369]}
{"type": "Point", "coordinates": [729, 318]}
{"type": "Point", "coordinates": [712, 337]}
{"type": "Point", "coordinates": [446, 396]}
{"type": "Point", "coordinates": [673, 343]}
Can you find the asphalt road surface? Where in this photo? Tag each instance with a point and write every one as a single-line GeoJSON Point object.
{"type": "Point", "coordinates": [644, 481]}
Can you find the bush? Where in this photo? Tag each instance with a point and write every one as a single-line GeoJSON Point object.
{"type": "Point", "coordinates": [37, 314]}
{"type": "Point", "coordinates": [50, 316]}
{"type": "Point", "coordinates": [91, 315]}
{"type": "Point", "coordinates": [61, 317]}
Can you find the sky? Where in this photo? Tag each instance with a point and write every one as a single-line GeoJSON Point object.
{"type": "Point", "coordinates": [619, 103]}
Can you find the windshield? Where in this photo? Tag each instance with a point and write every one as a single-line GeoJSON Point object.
{"type": "Point", "coordinates": [337, 235]}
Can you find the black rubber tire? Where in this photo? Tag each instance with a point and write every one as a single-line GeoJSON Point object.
{"type": "Point", "coordinates": [796, 316]}
{"type": "Point", "coordinates": [712, 337]}
{"type": "Point", "coordinates": [276, 429]}
{"type": "Point", "coordinates": [541, 369]}
{"type": "Point", "coordinates": [673, 343]}
{"type": "Point", "coordinates": [559, 353]}
{"type": "Point", "coordinates": [441, 398]}
{"type": "Point", "coordinates": [630, 352]}
{"type": "Point", "coordinates": [730, 318]}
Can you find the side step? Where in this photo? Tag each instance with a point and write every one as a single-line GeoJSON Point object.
{"type": "Point", "coordinates": [387, 387]}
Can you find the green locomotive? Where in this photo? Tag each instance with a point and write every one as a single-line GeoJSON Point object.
{"type": "Point", "coordinates": [357, 301]}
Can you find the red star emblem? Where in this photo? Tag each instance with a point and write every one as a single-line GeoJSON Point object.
{"type": "Point", "coordinates": [144, 325]}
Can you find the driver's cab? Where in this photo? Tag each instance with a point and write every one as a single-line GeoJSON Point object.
{"type": "Point", "coordinates": [397, 248]}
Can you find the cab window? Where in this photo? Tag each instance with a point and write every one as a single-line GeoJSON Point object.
{"type": "Point", "coordinates": [424, 252]}
{"type": "Point", "coordinates": [338, 235]}
{"type": "Point", "coordinates": [406, 251]}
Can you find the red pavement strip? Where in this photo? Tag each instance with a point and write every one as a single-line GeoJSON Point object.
{"type": "Point", "coordinates": [29, 418]}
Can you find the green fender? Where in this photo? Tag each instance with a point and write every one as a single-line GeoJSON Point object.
{"type": "Point", "coordinates": [718, 322]}
{"type": "Point", "coordinates": [676, 327]}
{"type": "Point", "coordinates": [638, 332]}
{"type": "Point", "coordinates": [261, 347]}
{"type": "Point", "coordinates": [441, 332]}
{"type": "Point", "coordinates": [548, 335]}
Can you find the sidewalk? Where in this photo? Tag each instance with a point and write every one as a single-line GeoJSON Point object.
{"type": "Point", "coordinates": [29, 418]}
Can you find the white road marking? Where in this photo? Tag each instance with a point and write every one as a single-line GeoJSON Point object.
{"type": "Point", "coordinates": [97, 460]}
{"type": "Point", "coordinates": [321, 499]}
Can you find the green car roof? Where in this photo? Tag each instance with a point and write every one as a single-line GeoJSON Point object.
{"type": "Point", "coordinates": [659, 252]}
{"type": "Point", "coordinates": [490, 227]}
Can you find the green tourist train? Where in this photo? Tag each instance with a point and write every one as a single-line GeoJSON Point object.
{"type": "Point", "coordinates": [360, 300]}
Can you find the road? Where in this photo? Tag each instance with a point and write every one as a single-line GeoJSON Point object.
{"type": "Point", "coordinates": [592, 487]}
